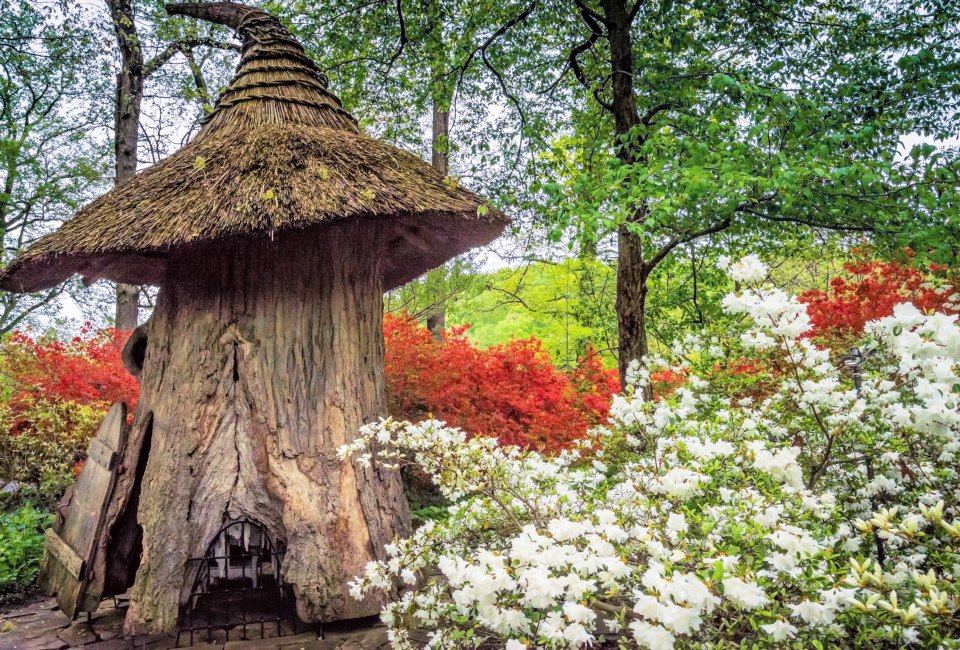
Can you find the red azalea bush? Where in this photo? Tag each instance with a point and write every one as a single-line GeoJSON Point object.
{"type": "Point", "coordinates": [512, 391]}
{"type": "Point", "coordinates": [54, 395]}
{"type": "Point", "coordinates": [872, 291]}
{"type": "Point", "coordinates": [85, 369]}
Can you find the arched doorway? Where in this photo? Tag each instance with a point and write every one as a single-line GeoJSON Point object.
{"type": "Point", "coordinates": [239, 588]}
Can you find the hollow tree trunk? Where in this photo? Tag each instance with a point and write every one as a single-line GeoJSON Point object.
{"type": "Point", "coordinates": [262, 358]}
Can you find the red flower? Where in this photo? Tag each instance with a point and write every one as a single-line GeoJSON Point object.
{"type": "Point", "coordinates": [87, 369]}
{"type": "Point", "coordinates": [872, 293]}
{"type": "Point", "coordinates": [512, 391]}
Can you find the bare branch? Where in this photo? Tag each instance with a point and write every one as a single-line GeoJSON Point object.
{"type": "Point", "coordinates": [182, 46]}
{"type": "Point", "coordinates": [403, 36]}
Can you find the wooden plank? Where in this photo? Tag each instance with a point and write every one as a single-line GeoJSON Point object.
{"type": "Point", "coordinates": [65, 555]}
{"type": "Point", "coordinates": [69, 549]}
{"type": "Point", "coordinates": [101, 453]}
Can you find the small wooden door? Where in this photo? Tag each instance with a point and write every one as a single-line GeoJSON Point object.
{"type": "Point", "coordinates": [71, 542]}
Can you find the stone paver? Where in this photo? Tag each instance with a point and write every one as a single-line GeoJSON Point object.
{"type": "Point", "coordinates": [40, 625]}
{"type": "Point", "coordinates": [78, 635]}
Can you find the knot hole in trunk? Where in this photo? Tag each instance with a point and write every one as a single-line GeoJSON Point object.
{"type": "Point", "coordinates": [135, 351]}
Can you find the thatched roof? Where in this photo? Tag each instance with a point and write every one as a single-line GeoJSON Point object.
{"type": "Point", "coordinates": [278, 152]}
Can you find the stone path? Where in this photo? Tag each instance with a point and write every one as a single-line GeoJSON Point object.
{"type": "Point", "coordinates": [39, 625]}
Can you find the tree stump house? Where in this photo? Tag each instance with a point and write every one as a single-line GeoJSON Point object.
{"type": "Point", "coordinates": [272, 236]}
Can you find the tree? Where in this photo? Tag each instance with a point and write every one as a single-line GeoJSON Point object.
{"type": "Point", "coordinates": [133, 73]}
{"type": "Point", "coordinates": [756, 118]}
{"type": "Point", "coordinates": [394, 61]}
{"type": "Point", "coordinates": [50, 152]}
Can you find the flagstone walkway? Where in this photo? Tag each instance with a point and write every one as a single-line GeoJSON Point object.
{"type": "Point", "coordinates": [39, 625]}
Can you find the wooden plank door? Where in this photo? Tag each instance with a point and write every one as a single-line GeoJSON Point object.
{"type": "Point", "coordinates": [70, 543]}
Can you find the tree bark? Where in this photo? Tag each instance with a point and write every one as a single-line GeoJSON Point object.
{"type": "Point", "coordinates": [127, 132]}
{"type": "Point", "coordinates": [262, 359]}
{"type": "Point", "coordinates": [632, 272]}
{"type": "Point", "coordinates": [441, 138]}
{"type": "Point", "coordinates": [440, 160]}
{"type": "Point", "coordinates": [631, 301]}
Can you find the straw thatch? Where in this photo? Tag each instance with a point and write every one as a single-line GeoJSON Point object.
{"type": "Point", "coordinates": [278, 152]}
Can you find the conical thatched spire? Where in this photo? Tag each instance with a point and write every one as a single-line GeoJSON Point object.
{"type": "Point", "coordinates": [276, 81]}
{"type": "Point", "coordinates": [278, 152]}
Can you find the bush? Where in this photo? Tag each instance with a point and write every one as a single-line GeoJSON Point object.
{"type": "Point", "coordinates": [45, 445]}
{"type": "Point", "coordinates": [512, 390]}
{"type": "Point", "coordinates": [54, 396]}
{"type": "Point", "coordinates": [874, 288]}
{"type": "Point", "coordinates": [87, 369]}
{"type": "Point", "coordinates": [818, 516]}
{"type": "Point", "coordinates": [21, 547]}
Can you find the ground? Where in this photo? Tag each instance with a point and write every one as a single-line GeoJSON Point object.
{"type": "Point", "coordinates": [39, 625]}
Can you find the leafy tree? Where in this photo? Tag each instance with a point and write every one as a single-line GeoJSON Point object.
{"type": "Point", "coordinates": [659, 124]}
{"type": "Point", "coordinates": [50, 150]}
{"type": "Point", "coordinates": [175, 37]}
{"type": "Point", "coordinates": [754, 118]}
{"type": "Point", "coordinates": [568, 306]}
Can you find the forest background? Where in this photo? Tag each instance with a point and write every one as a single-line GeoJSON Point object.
{"type": "Point", "coordinates": [636, 145]}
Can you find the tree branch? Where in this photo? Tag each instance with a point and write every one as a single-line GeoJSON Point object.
{"type": "Point", "coordinates": [685, 238]}
{"type": "Point", "coordinates": [503, 29]}
{"type": "Point", "coordinates": [590, 18]}
{"type": "Point", "coordinates": [181, 46]}
{"type": "Point", "coordinates": [403, 36]}
{"type": "Point", "coordinates": [652, 113]}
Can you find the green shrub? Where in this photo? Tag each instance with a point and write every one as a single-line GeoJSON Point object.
{"type": "Point", "coordinates": [21, 547]}
{"type": "Point", "coordinates": [42, 448]}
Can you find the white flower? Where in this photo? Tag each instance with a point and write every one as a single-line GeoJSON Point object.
{"type": "Point", "coordinates": [564, 529]}
{"type": "Point", "coordinates": [815, 614]}
{"type": "Point", "coordinates": [513, 644]}
{"type": "Point", "coordinates": [653, 637]}
{"type": "Point", "coordinates": [748, 595]}
{"type": "Point", "coordinates": [677, 522]}
{"type": "Point", "coordinates": [748, 269]}
{"type": "Point", "coordinates": [679, 619]}
{"type": "Point", "coordinates": [578, 613]}
{"type": "Point", "coordinates": [780, 630]}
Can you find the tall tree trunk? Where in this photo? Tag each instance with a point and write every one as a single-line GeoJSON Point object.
{"type": "Point", "coordinates": [441, 137]}
{"type": "Point", "coordinates": [440, 159]}
{"type": "Point", "coordinates": [262, 359]}
{"type": "Point", "coordinates": [126, 132]}
{"type": "Point", "coordinates": [631, 300]}
{"type": "Point", "coordinates": [632, 272]}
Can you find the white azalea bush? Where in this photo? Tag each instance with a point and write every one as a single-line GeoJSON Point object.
{"type": "Point", "coordinates": [816, 515]}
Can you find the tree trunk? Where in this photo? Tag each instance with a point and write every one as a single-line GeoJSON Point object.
{"type": "Point", "coordinates": [440, 160]}
{"type": "Point", "coordinates": [441, 138]}
{"type": "Point", "coordinates": [262, 359]}
{"type": "Point", "coordinates": [127, 132]}
{"type": "Point", "coordinates": [631, 301]}
{"type": "Point", "coordinates": [437, 322]}
{"type": "Point", "coordinates": [631, 270]}
{"type": "Point", "coordinates": [128, 306]}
